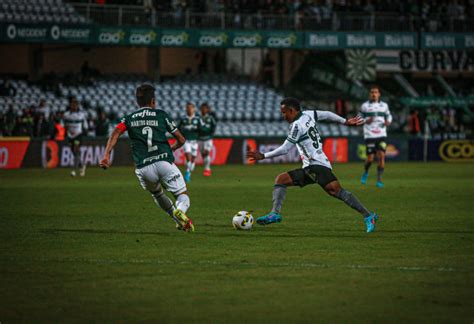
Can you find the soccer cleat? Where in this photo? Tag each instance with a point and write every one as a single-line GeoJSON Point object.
{"type": "Point", "coordinates": [363, 180]}
{"type": "Point", "coordinates": [185, 222]}
{"type": "Point", "coordinates": [370, 222]}
{"type": "Point", "coordinates": [207, 173]}
{"type": "Point", "coordinates": [82, 172]}
{"type": "Point", "coordinates": [73, 173]}
{"type": "Point", "coordinates": [269, 218]}
{"type": "Point", "coordinates": [379, 184]}
{"type": "Point", "coordinates": [187, 176]}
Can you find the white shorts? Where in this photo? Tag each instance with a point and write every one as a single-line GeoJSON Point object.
{"type": "Point", "coordinates": [152, 176]}
{"type": "Point", "coordinates": [206, 145]}
{"type": "Point", "coordinates": [191, 147]}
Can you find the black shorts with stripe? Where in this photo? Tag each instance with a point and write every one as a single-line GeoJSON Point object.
{"type": "Point", "coordinates": [373, 145]}
{"type": "Point", "coordinates": [312, 174]}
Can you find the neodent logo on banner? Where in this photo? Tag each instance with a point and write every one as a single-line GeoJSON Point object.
{"type": "Point", "coordinates": [174, 39]}
{"type": "Point", "coordinates": [14, 31]}
{"type": "Point", "coordinates": [282, 41]}
{"type": "Point", "coordinates": [247, 40]}
{"type": "Point", "coordinates": [213, 40]}
{"type": "Point", "coordinates": [142, 37]}
{"type": "Point", "coordinates": [69, 33]}
{"type": "Point", "coordinates": [111, 37]}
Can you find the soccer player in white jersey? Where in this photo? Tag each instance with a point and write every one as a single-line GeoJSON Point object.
{"type": "Point", "coordinates": [316, 166]}
{"type": "Point", "coordinates": [376, 117]}
{"type": "Point", "coordinates": [75, 122]}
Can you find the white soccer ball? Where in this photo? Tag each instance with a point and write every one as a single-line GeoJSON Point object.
{"type": "Point", "coordinates": [243, 220]}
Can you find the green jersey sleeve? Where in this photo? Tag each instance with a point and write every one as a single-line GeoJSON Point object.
{"type": "Point", "coordinates": [170, 124]}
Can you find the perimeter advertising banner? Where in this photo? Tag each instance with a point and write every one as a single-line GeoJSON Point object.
{"type": "Point", "coordinates": [148, 36]}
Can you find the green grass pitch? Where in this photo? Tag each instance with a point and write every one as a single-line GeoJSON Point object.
{"type": "Point", "coordinates": [97, 249]}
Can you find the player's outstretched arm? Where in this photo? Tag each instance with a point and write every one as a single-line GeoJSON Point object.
{"type": "Point", "coordinates": [105, 162]}
{"type": "Point", "coordinates": [354, 121]}
{"type": "Point", "coordinates": [282, 150]}
{"type": "Point", "coordinates": [180, 140]}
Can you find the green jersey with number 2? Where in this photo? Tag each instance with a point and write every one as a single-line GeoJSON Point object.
{"type": "Point", "coordinates": [147, 129]}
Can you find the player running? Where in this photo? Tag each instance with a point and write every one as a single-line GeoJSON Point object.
{"type": "Point", "coordinates": [189, 126]}
{"type": "Point", "coordinates": [377, 117]}
{"type": "Point", "coordinates": [316, 167]}
{"type": "Point", "coordinates": [206, 132]}
{"type": "Point", "coordinates": [153, 155]}
{"type": "Point", "coordinates": [75, 122]}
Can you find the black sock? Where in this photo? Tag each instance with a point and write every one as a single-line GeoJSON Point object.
{"type": "Point", "coordinates": [352, 201]}
{"type": "Point", "coordinates": [380, 173]}
{"type": "Point", "coordinates": [367, 166]}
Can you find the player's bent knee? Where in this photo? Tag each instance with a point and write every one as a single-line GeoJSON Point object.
{"type": "Point", "coordinates": [283, 179]}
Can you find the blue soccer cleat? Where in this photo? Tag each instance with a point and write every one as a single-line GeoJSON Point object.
{"type": "Point", "coordinates": [379, 184]}
{"type": "Point", "coordinates": [370, 222]}
{"type": "Point", "coordinates": [269, 218]}
{"type": "Point", "coordinates": [187, 176]}
{"type": "Point", "coordinates": [363, 180]}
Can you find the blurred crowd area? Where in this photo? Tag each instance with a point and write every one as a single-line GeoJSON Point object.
{"type": "Point", "coordinates": [419, 8]}
{"type": "Point", "coordinates": [366, 15]}
{"type": "Point", "coordinates": [41, 120]}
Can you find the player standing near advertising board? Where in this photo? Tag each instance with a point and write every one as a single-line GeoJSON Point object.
{"type": "Point", "coordinates": [206, 132]}
{"type": "Point", "coordinates": [316, 167]}
{"type": "Point", "coordinates": [153, 155]}
{"type": "Point", "coordinates": [75, 122]}
{"type": "Point", "coordinates": [377, 118]}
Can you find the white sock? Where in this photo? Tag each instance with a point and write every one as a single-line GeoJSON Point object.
{"type": "Point", "coordinates": [193, 164]}
{"type": "Point", "coordinates": [188, 166]}
{"type": "Point", "coordinates": [207, 163]}
{"type": "Point", "coordinates": [164, 202]}
{"type": "Point", "coordinates": [182, 202]}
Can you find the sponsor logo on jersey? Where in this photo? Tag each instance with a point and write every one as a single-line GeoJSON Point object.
{"type": "Point", "coordinates": [144, 113]}
{"type": "Point", "coordinates": [155, 158]}
{"type": "Point", "coordinates": [457, 151]}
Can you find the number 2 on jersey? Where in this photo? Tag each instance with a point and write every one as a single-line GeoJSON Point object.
{"type": "Point", "coordinates": [149, 133]}
{"type": "Point", "coordinates": [314, 135]}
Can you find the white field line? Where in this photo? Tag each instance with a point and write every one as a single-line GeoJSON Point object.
{"type": "Point", "coordinates": [236, 264]}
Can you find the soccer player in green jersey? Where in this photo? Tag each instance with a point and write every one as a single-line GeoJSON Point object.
{"type": "Point", "coordinates": [153, 155]}
{"type": "Point", "coordinates": [189, 125]}
{"type": "Point", "coordinates": [206, 132]}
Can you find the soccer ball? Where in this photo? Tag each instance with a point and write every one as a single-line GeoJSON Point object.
{"type": "Point", "coordinates": [243, 220]}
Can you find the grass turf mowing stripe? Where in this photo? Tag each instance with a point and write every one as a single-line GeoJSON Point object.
{"type": "Point", "coordinates": [234, 264]}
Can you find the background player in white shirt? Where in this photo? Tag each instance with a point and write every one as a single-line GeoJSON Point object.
{"type": "Point", "coordinates": [376, 117]}
{"type": "Point", "coordinates": [316, 166]}
{"type": "Point", "coordinates": [75, 122]}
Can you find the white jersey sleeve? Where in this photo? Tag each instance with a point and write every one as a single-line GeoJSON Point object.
{"type": "Point", "coordinates": [329, 116]}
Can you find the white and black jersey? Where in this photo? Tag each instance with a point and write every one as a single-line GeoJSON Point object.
{"type": "Point", "coordinates": [304, 134]}
{"type": "Point", "coordinates": [379, 112]}
{"type": "Point", "coordinates": [75, 123]}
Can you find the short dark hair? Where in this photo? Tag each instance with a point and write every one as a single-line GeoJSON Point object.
{"type": "Point", "coordinates": [204, 104]}
{"type": "Point", "coordinates": [374, 86]}
{"type": "Point", "coordinates": [145, 93]}
{"type": "Point", "coordinates": [291, 103]}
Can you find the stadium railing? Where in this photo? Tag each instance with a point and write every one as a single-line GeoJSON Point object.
{"type": "Point", "coordinates": [337, 21]}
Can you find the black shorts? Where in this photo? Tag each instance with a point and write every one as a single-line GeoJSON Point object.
{"type": "Point", "coordinates": [312, 174]}
{"type": "Point", "coordinates": [75, 141]}
{"type": "Point", "coordinates": [373, 145]}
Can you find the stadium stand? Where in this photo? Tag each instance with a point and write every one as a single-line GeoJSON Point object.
{"type": "Point", "coordinates": [37, 11]}
{"type": "Point", "coordinates": [242, 108]}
